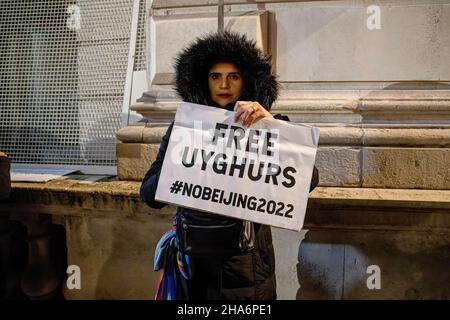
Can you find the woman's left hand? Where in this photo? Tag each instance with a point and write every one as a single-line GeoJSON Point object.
{"type": "Point", "coordinates": [248, 112]}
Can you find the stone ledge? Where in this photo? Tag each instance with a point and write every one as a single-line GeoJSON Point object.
{"type": "Point", "coordinates": [420, 108]}
{"type": "Point", "coordinates": [328, 207]}
{"type": "Point", "coordinates": [349, 135]}
{"type": "Point", "coordinates": [339, 166]}
{"type": "Point", "coordinates": [134, 160]}
{"type": "Point", "coordinates": [63, 198]}
{"type": "Point", "coordinates": [390, 167]}
{"type": "Point", "coordinates": [414, 198]}
{"type": "Point", "coordinates": [406, 168]}
{"type": "Point", "coordinates": [379, 209]}
{"type": "Point", "coordinates": [405, 198]}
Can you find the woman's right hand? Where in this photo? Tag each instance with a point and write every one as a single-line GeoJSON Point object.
{"type": "Point", "coordinates": [248, 112]}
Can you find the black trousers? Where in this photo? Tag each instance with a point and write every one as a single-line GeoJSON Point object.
{"type": "Point", "coordinates": [206, 283]}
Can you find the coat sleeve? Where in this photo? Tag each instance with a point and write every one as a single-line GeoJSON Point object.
{"type": "Point", "coordinates": [150, 181]}
{"type": "Point", "coordinates": [5, 178]}
{"type": "Point", "coordinates": [315, 175]}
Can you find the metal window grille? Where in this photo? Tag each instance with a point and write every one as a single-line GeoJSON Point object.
{"type": "Point", "coordinates": [62, 75]}
{"type": "Point", "coordinates": [140, 62]}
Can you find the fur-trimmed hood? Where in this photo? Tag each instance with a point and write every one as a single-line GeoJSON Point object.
{"type": "Point", "coordinates": [194, 62]}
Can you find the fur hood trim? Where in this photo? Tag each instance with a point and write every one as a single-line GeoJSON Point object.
{"type": "Point", "coordinates": [194, 62]}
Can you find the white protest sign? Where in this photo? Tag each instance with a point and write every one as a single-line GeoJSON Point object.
{"type": "Point", "coordinates": [261, 174]}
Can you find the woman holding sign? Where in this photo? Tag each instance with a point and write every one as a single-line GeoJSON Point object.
{"type": "Point", "coordinates": [229, 258]}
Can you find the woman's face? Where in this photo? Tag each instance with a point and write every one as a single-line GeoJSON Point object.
{"type": "Point", "coordinates": [225, 83]}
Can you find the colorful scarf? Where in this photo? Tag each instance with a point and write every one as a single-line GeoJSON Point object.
{"type": "Point", "coordinates": [174, 267]}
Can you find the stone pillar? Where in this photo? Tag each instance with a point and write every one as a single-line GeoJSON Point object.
{"type": "Point", "coordinates": [140, 141]}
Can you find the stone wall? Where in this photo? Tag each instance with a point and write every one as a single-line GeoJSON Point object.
{"type": "Point", "coordinates": [111, 235]}
{"type": "Point", "coordinates": [321, 43]}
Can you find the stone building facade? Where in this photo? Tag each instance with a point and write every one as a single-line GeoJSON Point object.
{"type": "Point", "coordinates": [374, 77]}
